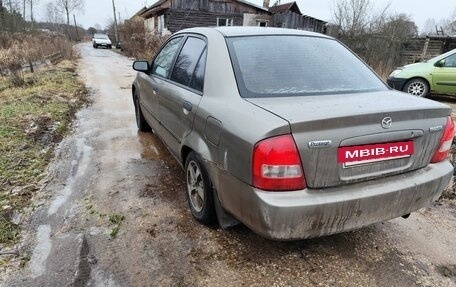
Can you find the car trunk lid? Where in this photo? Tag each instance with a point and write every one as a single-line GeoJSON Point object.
{"type": "Point", "coordinates": [322, 124]}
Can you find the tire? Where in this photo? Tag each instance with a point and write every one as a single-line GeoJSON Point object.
{"type": "Point", "coordinates": [200, 195]}
{"type": "Point", "coordinates": [417, 87]}
{"type": "Point", "coordinates": [109, 47]}
{"type": "Point", "coordinates": [141, 122]}
{"type": "Point", "coordinates": [95, 46]}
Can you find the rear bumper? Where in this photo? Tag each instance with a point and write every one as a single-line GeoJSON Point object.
{"type": "Point", "coordinates": [311, 212]}
{"type": "Point", "coordinates": [396, 83]}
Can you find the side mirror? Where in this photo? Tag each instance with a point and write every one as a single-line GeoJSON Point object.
{"type": "Point", "coordinates": [440, 64]}
{"type": "Point", "coordinates": [141, 66]}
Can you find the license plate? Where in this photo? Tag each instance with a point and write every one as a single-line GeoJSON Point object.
{"type": "Point", "coordinates": [366, 154]}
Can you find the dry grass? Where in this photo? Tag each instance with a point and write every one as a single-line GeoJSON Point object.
{"type": "Point", "coordinates": [33, 119]}
{"type": "Point", "coordinates": [135, 42]}
{"type": "Point", "coordinates": [19, 49]}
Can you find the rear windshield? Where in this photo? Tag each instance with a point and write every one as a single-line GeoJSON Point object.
{"type": "Point", "coordinates": [282, 66]}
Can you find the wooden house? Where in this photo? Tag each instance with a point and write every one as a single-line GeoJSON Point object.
{"type": "Point", "coordinates": [169, 16]}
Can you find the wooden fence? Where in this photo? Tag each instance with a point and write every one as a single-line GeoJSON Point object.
{"type": "Point", "coordinates": [31, 66]}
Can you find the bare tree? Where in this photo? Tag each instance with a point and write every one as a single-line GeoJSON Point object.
{"type": "Point", "coordinates": [429, 27]}
{"type": "Point", "coordinates": [2, 15]}
{"type": "Point", "coordinates": [69, 6]}
{"type": "Point", "coordinates": [32, 3]}
{"type": "Point", "coordinates": [373, 33]}
{"type": "Point", "coordinates": [449, 24]}
{"type": "Point", "coordinates": [53, 14]}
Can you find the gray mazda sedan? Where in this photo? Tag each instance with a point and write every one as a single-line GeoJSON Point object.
{"type": "Point", "coordinates": [289, 132]}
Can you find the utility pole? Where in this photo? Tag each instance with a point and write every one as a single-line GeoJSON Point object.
{"type": "Point", "coordinates": [31, 13]}
{"type": "Point", "coordinates": [115, 21]}
{"type": "Point", "coordinates": [76, 28]}
{"type": "Point", "coordinates": [23, 11]}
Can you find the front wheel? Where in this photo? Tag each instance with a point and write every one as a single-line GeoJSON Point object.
{"type": "Point", "coordinates": [200, 195]}
{"type": "Point", "coordinates": [417, 87]}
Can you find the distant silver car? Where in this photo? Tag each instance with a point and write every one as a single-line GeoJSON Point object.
{"type": "Point", "coordinates": [101, 40]}
{"type": "Point", "coordinates": [289, 132]}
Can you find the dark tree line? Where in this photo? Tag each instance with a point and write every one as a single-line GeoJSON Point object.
{"type": "Point", "coordinates": [11, 18]}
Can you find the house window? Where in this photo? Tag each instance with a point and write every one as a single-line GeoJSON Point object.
{"type": "Point", "coordinates": [262, 23]}
{"type": "Point", "coordinates": [161, 23]}
{"type": "Point", "coordinates": [224, 21]}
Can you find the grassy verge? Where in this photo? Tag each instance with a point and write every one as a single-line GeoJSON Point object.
{"type": "Point", "coordinates": [33, 119]}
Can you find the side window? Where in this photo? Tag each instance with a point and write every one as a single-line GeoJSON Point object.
{"type": "Point", "coordinates": [197, 81]}
{"type": "Point", "coordinates": [164, 60]}
{"type": "Point", "coordinates": [188, 60]}
{"type": "Point", "coordinates": [450, 61]}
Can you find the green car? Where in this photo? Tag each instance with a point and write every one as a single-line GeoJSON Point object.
{"type": "Point", "coordinates": [437, 75]}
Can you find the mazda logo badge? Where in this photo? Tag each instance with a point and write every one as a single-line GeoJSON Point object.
{"type": "Point", "coordinates": [387, 122]}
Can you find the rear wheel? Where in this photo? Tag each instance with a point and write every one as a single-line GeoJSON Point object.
{"type": "Point", "coordinates": [200, 195]}
{"type": "Point", "coordinates": [140, 120]}
{"type": "Point", "coordinates": [417, 87]}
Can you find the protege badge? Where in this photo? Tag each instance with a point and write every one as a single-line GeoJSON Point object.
{"type": "Point", "coordinates": [318, 144]}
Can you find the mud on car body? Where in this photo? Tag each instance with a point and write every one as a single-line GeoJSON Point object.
{"type": "Point", "coordinates": [275, 128]}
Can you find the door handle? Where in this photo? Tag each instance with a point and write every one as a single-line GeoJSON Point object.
{"type": "Point", "coordinates": [187, 107]}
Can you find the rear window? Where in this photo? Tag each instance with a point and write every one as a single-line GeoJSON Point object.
{"type": "Point", "coordinates": [275, 66]}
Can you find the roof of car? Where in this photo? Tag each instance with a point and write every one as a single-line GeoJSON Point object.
{"type": "Point", "coordinates": [234, 31]}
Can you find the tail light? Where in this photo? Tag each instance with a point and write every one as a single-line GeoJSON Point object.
{"type": "Point", "coordinates": [445, 143]}
{"type": "Point", "coordinates": [277, 166]}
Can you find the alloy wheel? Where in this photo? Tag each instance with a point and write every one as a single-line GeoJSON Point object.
{"type": "Point", "coordinates": [417, 89]}
{"type": "Point", "coordinates": [195, 186]}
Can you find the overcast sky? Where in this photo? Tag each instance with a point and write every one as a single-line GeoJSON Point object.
{"type": "Point", "coordinates": [100, 11]}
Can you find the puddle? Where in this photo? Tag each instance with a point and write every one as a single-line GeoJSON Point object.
{"type": "Point", "coordinates": [41, 252]}
{"type": "Point", "coordinates": [78, 168]}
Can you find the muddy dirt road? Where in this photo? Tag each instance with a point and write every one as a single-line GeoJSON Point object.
{"type": "Point", "coordinates": [115, 214]}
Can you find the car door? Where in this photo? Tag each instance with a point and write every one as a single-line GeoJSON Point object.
{"type": "Point", "coordinates": [444, 78]}
{"type": "Point", "coordinates": [151, 83]}
{"type": "Point", "coordinates": [181, 94]}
